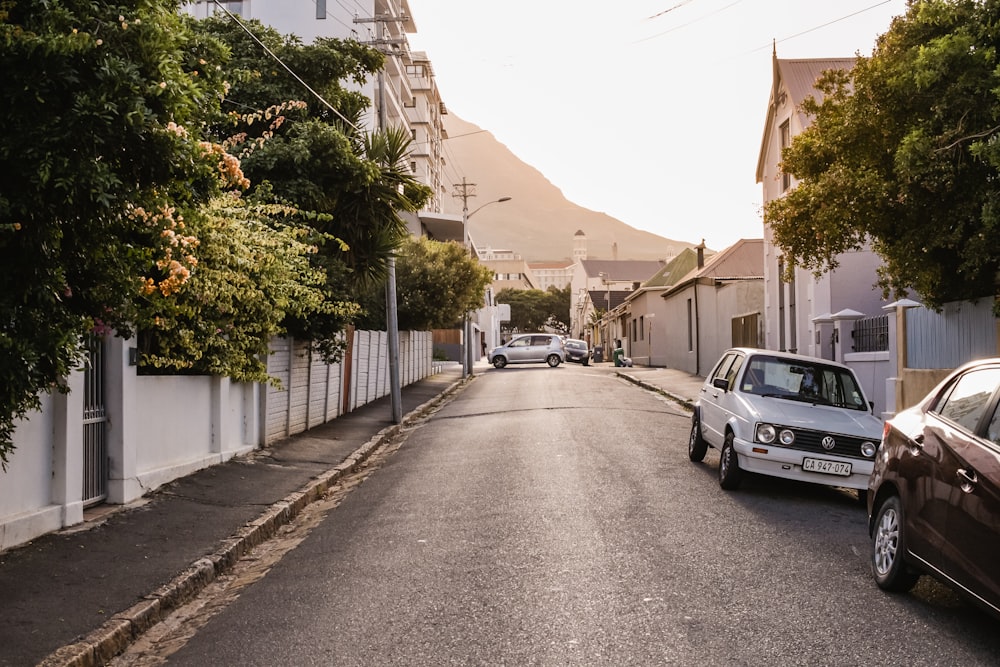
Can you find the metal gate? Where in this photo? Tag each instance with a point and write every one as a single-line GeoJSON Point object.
{"type": "Point", "coordinates": [95, 419]}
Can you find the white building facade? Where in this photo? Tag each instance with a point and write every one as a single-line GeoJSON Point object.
{"type": "Point", "coordinates": [404, 95]}
{"type": "Point", "coordinates": [794, 311]}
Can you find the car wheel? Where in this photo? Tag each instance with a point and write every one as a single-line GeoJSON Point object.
{"type": "Point", "coordinates": [697, 447]}
{"type": "Point", "coordinates": [553, 360]}
{"type": "Point", "coordinates": [888, 547]}
{"type": "Point", "coordinates": [499, 362]}
{"type": "Point", "coordinates": [730, 473]}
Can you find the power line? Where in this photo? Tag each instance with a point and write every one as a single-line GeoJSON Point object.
{"type": "Point", "coordinates": [278, 60]}
{"type": "Point", "coordinates": [828, 23]}
{"type": "Point", "coordinates": [684, 25]}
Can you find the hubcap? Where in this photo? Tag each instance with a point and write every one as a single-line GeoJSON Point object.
{"type": "Point", "coordinates": [886, 541]}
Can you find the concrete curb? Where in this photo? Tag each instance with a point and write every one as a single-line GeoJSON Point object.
{"type": "Point", "coordinates": [684, 402]}
{"type": "Point", "coordinates": [114, 636]}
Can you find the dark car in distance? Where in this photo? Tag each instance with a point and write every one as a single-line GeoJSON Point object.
{"type": "Point", "coordinates": [934, 491]}
{"type": "Point", "coordinates": [577, 351]}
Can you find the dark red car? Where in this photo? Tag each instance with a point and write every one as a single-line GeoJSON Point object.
{"type": "Point", "coordinates": [934, 493]}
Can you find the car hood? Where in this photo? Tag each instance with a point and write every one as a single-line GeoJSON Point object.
{"type": "Point", "coordinates": [784, 412]}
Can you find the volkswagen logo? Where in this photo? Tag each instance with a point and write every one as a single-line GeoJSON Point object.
{"type": "Point", "coordinates": [828, 443]}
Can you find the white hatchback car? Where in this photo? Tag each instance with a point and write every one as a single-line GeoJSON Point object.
{"type": "Point", "coordinates": [785, 415]}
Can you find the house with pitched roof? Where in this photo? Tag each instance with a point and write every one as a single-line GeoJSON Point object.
{"type": "Point", "coordinates": [797, 313]}
{"type": "Point", "coordinates": [718, 304]}
{"type": "Point", "coordinates": [598, 287]}
{"type": "Point", "coordinates": [641, 313]}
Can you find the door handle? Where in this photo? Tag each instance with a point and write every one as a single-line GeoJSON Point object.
{"type": "Point", "coordinates": [967, 479]}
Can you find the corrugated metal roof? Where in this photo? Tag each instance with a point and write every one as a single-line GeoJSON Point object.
{"type": "Point", "coordinates": [675, 269]}
{"type": "Point", "coordinates": [800, 76]}
{"type": "Point", "coordinates": [744, 260]}
{"type": "Point", "coordinates": [551, 265]}
{"type": "Point", "coordinates": [622, 270]}
{"type": "Point", "coordinates": [599, 298]}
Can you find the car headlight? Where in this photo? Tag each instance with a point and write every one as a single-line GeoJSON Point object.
{"type": "Point", "coordinates": [786, 437]}
{"type": "Point", "coordinates": [868, 449]}
{"type": "Point", "coordinates": [765, 433]}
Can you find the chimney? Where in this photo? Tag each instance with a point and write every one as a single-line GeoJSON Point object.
{"type": "Point", "coordinates": [701, 254]}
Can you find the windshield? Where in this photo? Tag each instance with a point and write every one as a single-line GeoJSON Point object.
{"type": "Point", "coordinates": [802, 380]}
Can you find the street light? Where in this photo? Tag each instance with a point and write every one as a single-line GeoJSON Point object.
{"type": "Point", "coordinates": [465, 219]}
{"type": "Point", "coordinates": [467, 333]}
{"type": "Point", "coordinates": [607, 313]}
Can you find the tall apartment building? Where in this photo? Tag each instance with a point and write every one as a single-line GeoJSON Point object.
{"type": "Point", "coordinates": [405, 95]}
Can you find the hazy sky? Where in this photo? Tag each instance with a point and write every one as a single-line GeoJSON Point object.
{"type": "Point", "coordinates": [649, 110]}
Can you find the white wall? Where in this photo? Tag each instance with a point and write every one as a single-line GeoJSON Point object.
{"type": "Point", "coordinates": [164, 427]}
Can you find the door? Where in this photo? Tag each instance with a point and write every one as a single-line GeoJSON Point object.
{"type": "Point", "coordinates": [95, 421]}
{"type": "Point", "coordinates": [972, 531]}
{"type": "Point", "coordinates": [947, 476]}
{"type": "Point", "coordinates": [712, 398]}
{"type": "Point", "coordinates": [519, 349]}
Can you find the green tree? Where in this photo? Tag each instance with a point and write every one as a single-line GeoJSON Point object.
{"type": "Point", "coordinates": [437, 283]}
{"type": "Point", "coordinates": [533, 310]}
{"type": "Point", "coordinates": [903, 153]}
{"type": "Point", "coordinates": [351, 185]}
{"type": "Point", "coordinates": [93, 93]}
{"type": "Point", "coordinates": [559, 301]}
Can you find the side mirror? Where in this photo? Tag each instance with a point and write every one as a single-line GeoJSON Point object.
{"type": "Point", "coordinates": [720, 383]}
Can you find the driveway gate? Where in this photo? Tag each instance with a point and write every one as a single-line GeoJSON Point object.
{"type": "Point", "coordinates": [95, 419]}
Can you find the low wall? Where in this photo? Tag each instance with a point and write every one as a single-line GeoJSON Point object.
{"type": "Point", "coordinates": [872, 370]}
{"type": "Point", "coordinates": [160, 428]}
{"type": "Point", "coordinates": [918, 382]}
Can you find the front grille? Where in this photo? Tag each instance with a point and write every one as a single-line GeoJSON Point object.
{"type": "Point", "coordinates": [809, 441]}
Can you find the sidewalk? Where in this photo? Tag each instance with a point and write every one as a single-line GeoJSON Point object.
{"type": "Point", "coordinates": [81, 595]}
{"type": "Point", "coordinates": [680, 386]}
{"type": "Point", "coordinates": [86, 591]}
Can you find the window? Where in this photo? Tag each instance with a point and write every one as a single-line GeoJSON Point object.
{"type": "Point", "coordinates": [786, 140]}
{"type": "Point", "coordinates": [233, 7]}
{"type": "Point", "coordinates": [642, 327]}
{"type": "Point", "coordinates": [797, 380]}
{"type": "Point", "coordinates": [321, 9]}
{"type": "Point", "coordinates": [993, 432]}
{"type": "Point", "coordinates": [728, 367]}
{"type": "Point", "coordinates": [967, 399]}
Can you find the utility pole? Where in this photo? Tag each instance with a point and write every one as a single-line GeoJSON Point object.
{"type": "Point", "coordinates": [391, 312]}
{"type": "Point", "coordinates": [466, 190]}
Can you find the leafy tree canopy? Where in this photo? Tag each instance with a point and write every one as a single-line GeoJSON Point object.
{"type": "Point", "coordinates": [903, 153]}
{"type": "Point", "coordinates": [94, 93]}
{"type": "Point", "coordinates": [298, 151]}
{"type": "Point", "coordinates": [437, 283]}
{"type": "Point", "coordinates": [534, 310]}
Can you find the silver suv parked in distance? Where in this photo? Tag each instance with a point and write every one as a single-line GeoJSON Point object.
{"type": "Point", "coordinates": [528, 349]}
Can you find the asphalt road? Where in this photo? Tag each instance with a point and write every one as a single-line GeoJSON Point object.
{"type": "Point", "coordinates": [551, 517]}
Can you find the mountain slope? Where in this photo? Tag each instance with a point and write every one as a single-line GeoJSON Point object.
{"type": "Point", "coordinates": [538, 222]}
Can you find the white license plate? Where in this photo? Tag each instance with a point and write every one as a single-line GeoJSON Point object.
{"type": "Point", "coordinates": [827, 467]}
